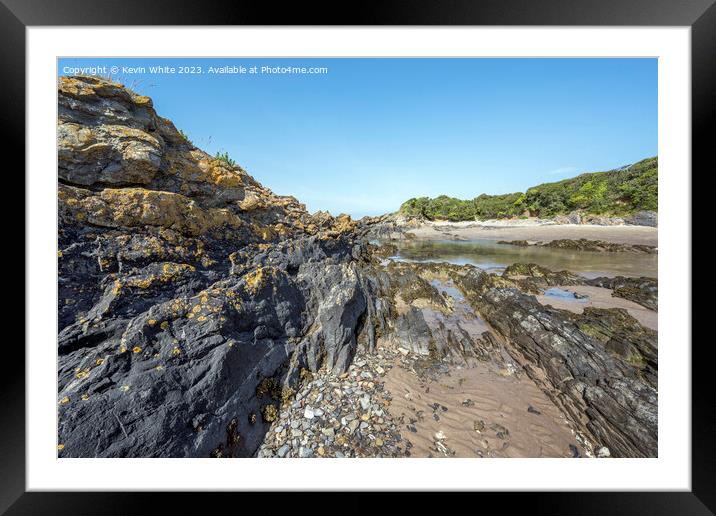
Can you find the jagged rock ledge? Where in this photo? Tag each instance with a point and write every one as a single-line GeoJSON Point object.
{"type": "Point", "coordinates": [583, 244]}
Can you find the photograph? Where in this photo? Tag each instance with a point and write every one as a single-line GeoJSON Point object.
{"type": "Point", "coordinates": [357, 257]}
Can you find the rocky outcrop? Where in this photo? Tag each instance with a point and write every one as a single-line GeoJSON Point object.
{"type": "Point", "coordinates": [644, 291]}
{"type": "Point", "coordinates": [185, 288]}
{"type": "Point", "coordinates": [533, 278]}
{"type": "Point", "coordinates": [640, 218]}
{"type": "Point", "coordinates": [580, 217]}
{"type": "Point", "coordinates": [643, 218]}
{"type": "Point", "coordinates": [583, 244]}
{"type": "Point", "coordinates": [599, 367]}
{"type": "Point", "coordinates": [388, 227]}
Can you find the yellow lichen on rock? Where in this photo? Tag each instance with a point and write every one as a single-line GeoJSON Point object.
{"type": "Point", "coordinates": [138, 207]}
{"type": "Point", "coordinates": [221, 174]}
{"type": "Point", "coordinates": [255, 280]}
{"type": "Point", "coordinates": [168, 272]}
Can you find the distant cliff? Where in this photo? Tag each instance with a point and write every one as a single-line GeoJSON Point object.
{"type": "Point", "coordinates": [622, 192]}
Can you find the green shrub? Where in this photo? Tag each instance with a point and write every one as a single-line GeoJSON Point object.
{"type": "Point", "coordinates": [225, 158]}
{"type": "Point", "coordinates": [184, 135]}
{"type": "Point", "coordinates": [616, 192]}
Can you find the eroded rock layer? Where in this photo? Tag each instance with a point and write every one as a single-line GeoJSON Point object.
{"type": "Point", "coordinates": [184, 286]}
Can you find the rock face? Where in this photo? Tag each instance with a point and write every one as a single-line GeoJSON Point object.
{"type": "Point", "coordinates": [640, 218]}
{"type": "Point", "coordinates": [644, 291]}
{"type": "Point", "coordinates": [185, 287]}
{"type": "Point", "coordinates": [643, 218]}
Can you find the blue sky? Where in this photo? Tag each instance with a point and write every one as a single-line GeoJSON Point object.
{"type": "Point", "coordinates": [372, 133]}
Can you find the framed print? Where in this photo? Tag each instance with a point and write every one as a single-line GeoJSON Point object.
{"type": "Point", "coordinates": [418, 250]}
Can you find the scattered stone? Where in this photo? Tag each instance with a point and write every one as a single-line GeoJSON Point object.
{"type": "Point", "coordinates": [603, 452]}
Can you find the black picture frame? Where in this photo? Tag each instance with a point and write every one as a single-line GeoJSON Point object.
{"type": "Point", "coordinates": [17, 15]}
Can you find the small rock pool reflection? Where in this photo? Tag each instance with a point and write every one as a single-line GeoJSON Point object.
{"type": "Point", "coordinates": [565, 295]}
{"type": "Point", "coordinates": [493, 257]}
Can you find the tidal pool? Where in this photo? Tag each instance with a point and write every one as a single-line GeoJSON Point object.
{"type": "Point", "coordinates": [494, 257]}
{"type": "Point", "coordinates": [566, 295]}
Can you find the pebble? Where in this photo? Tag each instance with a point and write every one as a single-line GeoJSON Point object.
{"type": "Point", "coordinates": [283, 451]}
{"type": "Point", "coordinates": [365, 402]}
{"type": "Point", "coordinates": [351, 417]}
{"type": "Point", "coordinates": [603, 452]}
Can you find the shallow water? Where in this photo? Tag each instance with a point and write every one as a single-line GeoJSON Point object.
{"type": "Point", "coordinates": [494, 257]}
{"type": "Point", "coordinates": [597, 297]}
{"type": "Point", "coordinates": [462, 315]}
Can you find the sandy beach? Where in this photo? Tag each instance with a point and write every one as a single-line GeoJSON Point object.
{"type": "Point", "coordinates": [533, 232]}
{"type": "Point", "coordinates": [478, 412]}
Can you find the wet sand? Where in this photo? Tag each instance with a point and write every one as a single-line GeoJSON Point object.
{"type": "Point", "coordinates": [618, 234]}
{"type": "Point", "coordinates": [601, 298]}
{"type": "Point", "coordinates": [494, 423]}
